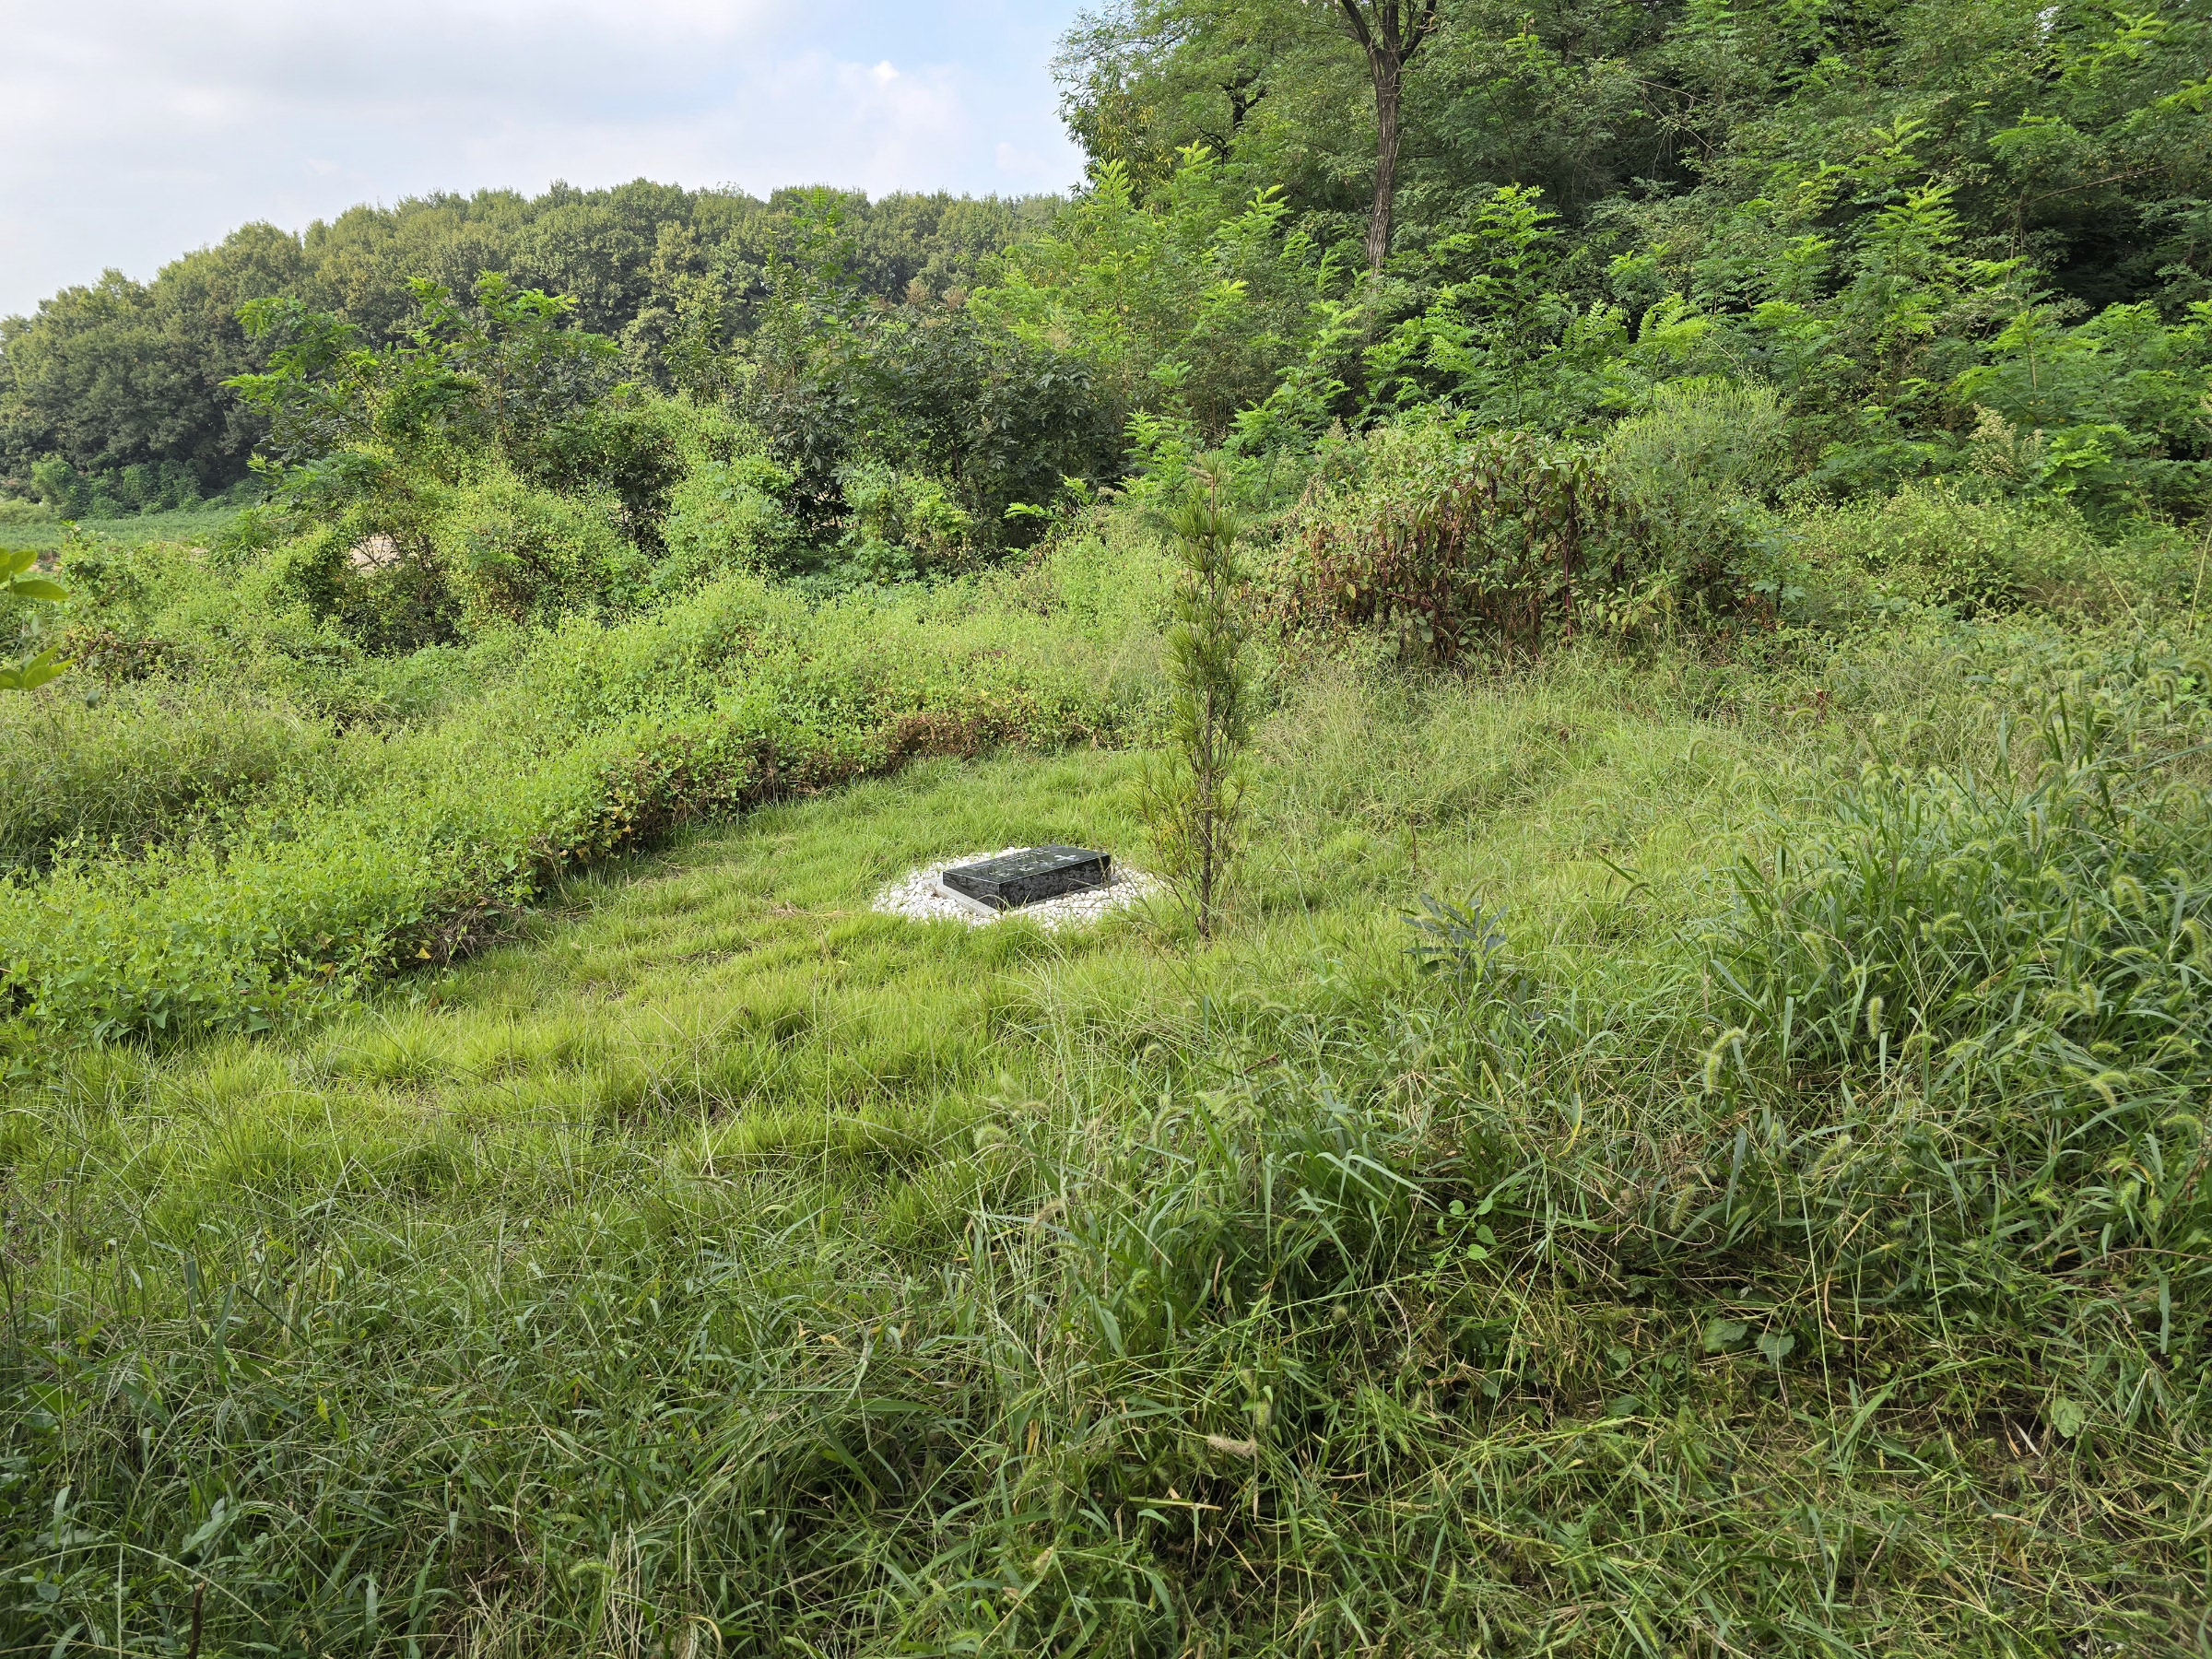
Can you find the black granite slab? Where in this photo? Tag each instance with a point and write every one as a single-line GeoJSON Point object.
{"type": "Point", "coordinates": [1031, 876]}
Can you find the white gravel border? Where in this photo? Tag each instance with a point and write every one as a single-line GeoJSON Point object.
{"type": "Point", "coordinates": [923, 897]}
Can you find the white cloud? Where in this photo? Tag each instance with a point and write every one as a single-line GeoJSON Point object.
{"type": "Point", "coordinates": [132, 131]}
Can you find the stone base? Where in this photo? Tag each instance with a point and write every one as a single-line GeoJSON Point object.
{"type": "Point", "coordinates": [1031, 876]}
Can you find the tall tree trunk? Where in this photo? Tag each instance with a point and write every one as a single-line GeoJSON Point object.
{"type": "Point", "coordinates": [1390, 32]}
{"type": "Point", "coordinates": [1389, 81]}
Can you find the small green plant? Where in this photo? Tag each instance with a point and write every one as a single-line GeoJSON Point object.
{"type": "Point", "coordinates": [25, 583]}
{"type": "Point", "coordinates": [1193, 798]}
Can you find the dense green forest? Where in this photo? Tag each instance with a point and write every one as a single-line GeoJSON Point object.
{"type": "Point", "coordinates": [1950, 237]}
{"type": "Point", "coordinates": [122, 382]}
{"type": "Point", "coordinates": [1638, 567]}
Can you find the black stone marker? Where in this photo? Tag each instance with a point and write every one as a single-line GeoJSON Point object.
{"type": "Point", "coordinates": [1031, 877]}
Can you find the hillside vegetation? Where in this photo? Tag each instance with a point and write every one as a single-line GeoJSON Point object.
{"type": "Point", "coordinates": [1686, 1135]}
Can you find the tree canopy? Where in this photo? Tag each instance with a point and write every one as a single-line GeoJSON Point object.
{"type": "Point", "coordinates": [123, 374]}
{"type": "Point", "coordinates": [1950, 236]}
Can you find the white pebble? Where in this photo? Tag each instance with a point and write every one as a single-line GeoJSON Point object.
{"type": "Point", "coordinates": [923, 897]}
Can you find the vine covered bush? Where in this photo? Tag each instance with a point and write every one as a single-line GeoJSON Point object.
{"type": "Point", "coordinates": [1510, 539]}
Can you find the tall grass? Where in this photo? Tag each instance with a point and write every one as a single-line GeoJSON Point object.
{"type": "Point", "coordinates": [317, 878]}
{"type": "Point", "coordinates": [730, 1269]}
{"type": "Point", "coordinates": [134, 765]}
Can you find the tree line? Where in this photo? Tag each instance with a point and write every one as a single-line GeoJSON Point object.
{"type": "Point", "coordinates": [1956, 238]}
{"type": "Point", "coordinates": [116, 388]}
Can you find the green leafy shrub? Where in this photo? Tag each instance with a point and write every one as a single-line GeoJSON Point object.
{"type": "Point", "coordinates": [726, 518]}
{"type": "Point", "coordinates": [1700, 444]}
{"type": "Point", "coordinates": [630, 446]}
{"type": "Point", "coordinates": [902, 525]}
{"type": "Point", "coordinates": [946, 393]}
{"type": "Point", "coordinates": [353, 545]}
{"type": "Point", "coordinates": [1186, 301]}
{"type": "Point", "coordinates": [1691, 471]}
{"type": "Point", "coordinates": [240, 616]}
{"type": "Point", "coordinates": [512, 553]}
{"type": "Point", "coordinates": [483, 472]}
{"type": "Point", "coordinates": [1506, 538]}
{"type": "Point", "coordinates": [61, 488]}
{"type": "Point", "coordinates": [2108, 412]}
{"type": "Point", "coordinates": [399, 556]}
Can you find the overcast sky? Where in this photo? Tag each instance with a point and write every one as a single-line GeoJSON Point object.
{"type": "Point", "coordinates": [132, 131]}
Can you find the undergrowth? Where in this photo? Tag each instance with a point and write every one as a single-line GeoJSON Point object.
{"type": "Point", "coordinates": [1757, 1210]}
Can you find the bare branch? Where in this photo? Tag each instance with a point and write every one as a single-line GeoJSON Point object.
{"type": "Point", "coordinates": [1358, 22]}
{"type": "Point", "coordinates": [1421, 31]}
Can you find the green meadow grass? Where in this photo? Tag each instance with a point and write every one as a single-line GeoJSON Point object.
{"type": "Point", "coordinates": [742, 974]}
{"type": "Point", "coordinates": [185, 526]}
{"type": "Point", "coordinates": [721, 1266]}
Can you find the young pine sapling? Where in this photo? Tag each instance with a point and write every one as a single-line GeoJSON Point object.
{"type": "Point", "coordinates": [1193, 796]}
